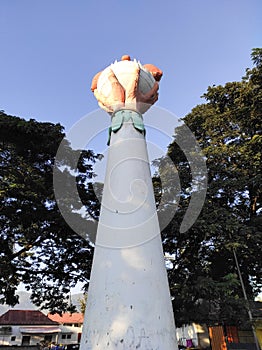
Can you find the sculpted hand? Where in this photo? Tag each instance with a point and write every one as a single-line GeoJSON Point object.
{"type": "Point", "coordinates": [130, 97]}
{"type": "Point", "coordinates": [135, 99]}
{"type": "Point", "coordinates": [116, 98]}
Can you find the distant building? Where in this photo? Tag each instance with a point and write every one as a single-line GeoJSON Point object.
{"type": "Point", "coordinates": [27, 327]}
{"type": "Point", "coordinates": [32, 327]}
{"type": "Point", "coordinates": [71, 327]}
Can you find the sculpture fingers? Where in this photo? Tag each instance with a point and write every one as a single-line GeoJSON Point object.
{"type": "Point", "coordinates": [103, 100]}
{"type": "Point", "coordinates": [117, 92]}
{"type": "Point", "coordinates": [94, 81]}
{"type": "Point", "coordinates": [156, 72]}
{"type": "Point", "coordinates": [112, 77]}
{"type": "Point", "coordinates": [100, 97]}
{"type": "Point", "coordinates": [132, 87]}
{"type": "Point", "coordinates": [111, 103]}
{"type": "Point", "coordinates": [151, 96]}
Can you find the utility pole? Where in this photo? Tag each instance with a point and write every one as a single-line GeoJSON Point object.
{"type": "Point", "coordinates": [245, 297]}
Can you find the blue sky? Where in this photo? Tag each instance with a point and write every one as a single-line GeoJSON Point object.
{"type": "Point", "coordinates": [51, 49]}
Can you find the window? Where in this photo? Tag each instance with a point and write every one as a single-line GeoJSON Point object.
{"type": "Point", "coordinates": [13, 338]}
{"type": "Point", "coordinates": [66, 336]}
{"type": "Point", "coordinates": [5, 330]}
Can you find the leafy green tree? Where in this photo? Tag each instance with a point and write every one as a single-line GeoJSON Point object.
{"type": "Point", "coordinates": [204, 280]}
{"type": "Point", "coordinates": [37, 247]}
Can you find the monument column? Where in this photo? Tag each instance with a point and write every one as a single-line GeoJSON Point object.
{"type": "Point", "coordinates": [129, 304]}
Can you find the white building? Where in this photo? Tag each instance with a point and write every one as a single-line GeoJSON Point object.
{"type": "Point", "coordinates": [193, 336]}
{"type": "Point", "coordinates": [31, 327]}
{"type": "Point", "coordinates": [70, 325]}
{"type": "Point", "coordinates": [27, 327]}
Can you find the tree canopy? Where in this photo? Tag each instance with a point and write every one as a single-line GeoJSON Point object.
{"type": "Point", "coordinates": [204, 280]}
{"type": "Point", "coordinates": [37, 247]}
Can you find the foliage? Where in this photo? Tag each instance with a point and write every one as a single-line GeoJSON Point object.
{"type": "Point", "coordinates": [82, 302]}
{"type": "Point", "coordinates": [37, 247]}
{"type": "Point", "coordinates": [204, 279]}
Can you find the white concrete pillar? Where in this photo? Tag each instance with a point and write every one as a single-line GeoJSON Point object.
{"type": "Point", "coordinates": [129, 304]}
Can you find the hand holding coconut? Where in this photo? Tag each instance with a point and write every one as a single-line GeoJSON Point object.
{"type": "Point", "coordinates": [127, 85]}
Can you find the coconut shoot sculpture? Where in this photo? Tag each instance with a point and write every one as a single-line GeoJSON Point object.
{"type": "Point", "coordinates": [129, 304]}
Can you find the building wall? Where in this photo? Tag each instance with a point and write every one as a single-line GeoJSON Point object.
{"type": "Point", "coordinates": [69, 334]}
{"type": "Point", "coordinates": [259, 332]}
{"type": "Point", "coordinates": [15, 337]}
{"type": "Point", "coordinates": [187, 334]}
{"type": "Point", "coordinates": [203, 336]}
{"type": "Point", "coordinates": [11, 335]}
{"type": "Point", "coordinates": [14, 347]}
{"type": "Point", "coordinates": [245, 336]}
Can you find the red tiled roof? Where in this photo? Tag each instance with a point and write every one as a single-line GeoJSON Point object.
{"type": "Point", "coordinates": [75, 317]}
{"type": "Point", "coordinates": [25, 317]}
